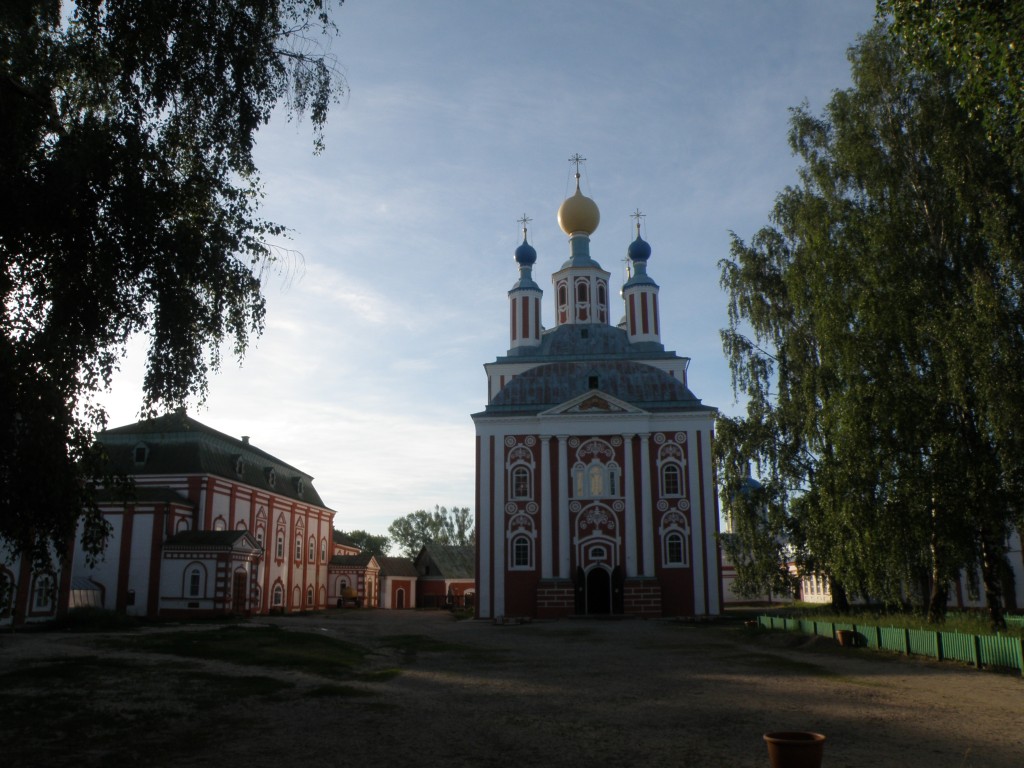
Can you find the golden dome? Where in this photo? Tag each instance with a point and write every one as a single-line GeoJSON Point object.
{"type": "Point", "coordinates": [578, 213]}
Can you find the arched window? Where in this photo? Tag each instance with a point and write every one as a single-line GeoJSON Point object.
{"type": "Point", "coordinates": [309, 596]}
{"type": "Point", "coordinates": [280, 545]}
{"type": "Point", "coordinates": [675, 540]}
{"type": "Point", "coordinates": [312, 549]}
{"type": "Point", "coordinates": [522, 552]}
{"type": "Point", "coordinates": [259, 536]}
{"type": "Point", "coordinates": [671, 479]}
{"type": "Point", "coordinates": [521, 537]}
{"type": "Point", "coordinates": [521, 482]}
{"type": "Point", "coordinates": [299, 536]}
{"type": "Point", "coordinates": [278, 599]}
{"type": "Point", "coordinates": [323, 550]}
{"type": "Point", "coordinates": [195, 581]}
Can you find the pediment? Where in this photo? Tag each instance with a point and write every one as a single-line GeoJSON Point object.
{"type": "Point", "coordinates": [592, 403]}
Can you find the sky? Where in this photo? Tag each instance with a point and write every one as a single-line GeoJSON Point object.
{"type": "Point", "coordinates": [461, 115]}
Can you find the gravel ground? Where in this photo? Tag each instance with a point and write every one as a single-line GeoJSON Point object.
{"type": "Point", "coordinates": [599, 693]}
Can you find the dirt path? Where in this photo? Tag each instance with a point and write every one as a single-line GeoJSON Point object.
{"type": "Point", "coordinates": [613, 693]}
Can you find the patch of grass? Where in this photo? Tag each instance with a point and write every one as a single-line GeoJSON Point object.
{"type": "Point", "coordinates": [968, 622]}
{"type": "Point", "coordinates": [270, 647]}
{"type": "Point", "coordinates": [775, 663]}
{"type": "Point", "coordinates": [409, 646]}
{"type": "Point", "coordinates": [338, 691]}
{"type": "Point", "coordinates": [118, 711]}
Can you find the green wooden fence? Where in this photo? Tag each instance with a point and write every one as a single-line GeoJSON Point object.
{"type": "Point", "coordinates": [980, 650]}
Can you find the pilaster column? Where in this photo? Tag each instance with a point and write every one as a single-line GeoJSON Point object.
{"type": "Point", "coordinates": [483, 485]}
{"type": "Point", "coordinates": [544, 479]}
{"type": "Point", "coordinates": [646, 511]}
{"type": "Point", "coordinates": [629, 494]}
{"type": "Point", "coordinates": [563, 508]}
{"type": "Point", "coordinates": [498, 533]}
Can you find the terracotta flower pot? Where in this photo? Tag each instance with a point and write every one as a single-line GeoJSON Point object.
{"type": "Point", "coordinates": [795, 749]}
{"type": "Point", "coordinates": [846, 638]}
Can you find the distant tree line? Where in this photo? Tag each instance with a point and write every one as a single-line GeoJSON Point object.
{"type": "Point", "coordinates": [876, 327]}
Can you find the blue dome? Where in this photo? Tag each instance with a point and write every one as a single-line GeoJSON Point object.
{"type": "Point", "coordinates": [639, 250]}
{"type": "Point", "coordinates": [526, 254]}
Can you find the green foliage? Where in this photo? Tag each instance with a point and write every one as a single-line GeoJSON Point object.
{"type": "Point", "coordinates": [453, 526]}
{"type": "Point", "coordinates": [129, 205]}
{"type": "Point", "coordinates": [369, 542]}
{"type": "Point", "coordinates": [983, 42]}
{"type": "Point", "coordinates": [875, 327]}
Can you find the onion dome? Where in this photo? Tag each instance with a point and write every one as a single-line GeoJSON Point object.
{"type": "Point", "coordinates": [578, 213]}
{"type": "Point", "coordinates": [639, 249]}
{"type": "Point", "coordinates": [526, 254]}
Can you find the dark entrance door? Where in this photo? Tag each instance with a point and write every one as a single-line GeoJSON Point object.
{"type": "Point", "coordinates": [400, 599]}
{"type": "Point", "coordinates": [599, 591]}
{"type": "Point", "coordinates": [238, 594]}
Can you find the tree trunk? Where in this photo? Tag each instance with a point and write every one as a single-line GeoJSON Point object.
{"type": "Point", "coordinates": [991, 560]}
{"type": "Point", "coordinates": [840, 601]}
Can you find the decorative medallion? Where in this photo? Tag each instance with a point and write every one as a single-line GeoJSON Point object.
{"type": "Point", "coordinates": [511, 508]}
{"type": "Point", "coordinates": [618, 506]}
{"type": "Point", "coordinates": [510, 440]}
{"type": "Point", "coordinates": [659, 437]}
{"type": "Point", "coordinates": [575, 506]}
{"type": "Point", "coordinates": [616, 441]}
{"type": "Point", "coordinates": [530, 441]}
{"type": "Point", "coordinates": [532, 507]}
{"type": "Point", "coordinates": [683, 505]}
{"type": "Point", "coordinates": [574, 442]}
{"type": "Point", "coordinates": [681, 437]}
{"type": "Point", "coordinates": [662, 505]}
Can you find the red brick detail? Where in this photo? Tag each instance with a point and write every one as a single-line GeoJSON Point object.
{"type": "Point", "coordinates": [641, 597]}
{"type": "Point", "coordinates": [555, 599]}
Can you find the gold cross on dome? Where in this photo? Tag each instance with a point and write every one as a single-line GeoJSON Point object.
{"type": "Point", "coordinates": [524, 220]}
{"type": "Point", "coordinates": [577, 158]}
{"type": "Point", "coordinates": [637, 216]}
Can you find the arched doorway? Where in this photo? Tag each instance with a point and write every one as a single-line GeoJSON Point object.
{"type": "Point", "coordinates": [400, 598]}
{"type": "Point", "coordinates": [599, 591]}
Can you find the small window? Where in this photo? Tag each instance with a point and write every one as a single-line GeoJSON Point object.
{"type": "Point", "coordinates": [522, 552]}
{"type": "Point", "coordinates": [323, 550]}
{"type": "Point", "coordinates": [271, 477]}
{"type": "Point", "coordinates": [42, 596]}
{"type": "Point", "coordinates": [670, 479]}
{"type": "Point", "coordinates": [298, 545]}
{"type": "Point", "coordinates": [674, 549]}
{"type": "Point", "coordinates": [309, 596]}
{"type": "Point", "coordinates": [593, 382]}
{"type": "Point", "coordinates": [194, 582]}
{"type": "Point", "coordinates": [141, 453]}
{"type": "Point", "coordinates": [259, 536]}
{"type": "Point", "coordinates": [278, 598]}
{"type": "Point", "coordinates": [521, 482]}
{"type": "Point", "coordinates": [312, 549]}
{"type": "Point", "coordinates": [280, 545]}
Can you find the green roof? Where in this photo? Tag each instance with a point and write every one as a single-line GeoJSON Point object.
{"type": "Point", "coordinates": [175, 444]}
{"type": "Point", "coordinates": [452, 562]}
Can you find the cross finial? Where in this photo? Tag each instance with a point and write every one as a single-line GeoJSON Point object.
{"type": "Point", "coordinates": [637, 216]}
{"type": "Point", "coordinates": [577, 159]}
{"type": "Point", "coordinates": [524, 220]}
{"type": "Point", "coordinates": [626, 261]}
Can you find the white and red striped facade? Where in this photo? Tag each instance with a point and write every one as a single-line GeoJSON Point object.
{"type": "Point", "coordinates": [595, 489]}
{"type": "Point", "coordinates": [214, 526]}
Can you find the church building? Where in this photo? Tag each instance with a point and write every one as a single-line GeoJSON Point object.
{"type": "Point", "coordinates": [595, 491]}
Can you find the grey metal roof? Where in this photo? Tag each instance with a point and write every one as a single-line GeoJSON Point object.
{"type": "Point", "coordinates": [178, 445]}
{"type": "Point", "coordinates": [452, 562]}
{"type": "Point", "coordinates": [397, 566]}
{"type": "Point", "coordinates": [546, 386]}
{"type": "Point", "coordinates": [361, 560]}
{"type": "Point", "coordinates": [590, 341]}
{"type": "Point", "coordinates": [208, 539]}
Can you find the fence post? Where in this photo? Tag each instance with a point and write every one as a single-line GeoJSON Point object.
{"type": "Point", "coordinates": [906, 641]}
{"type": "Point", "coordinates": [977, 650]}
{"type": "Point", "coordinates": [938, 646]}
